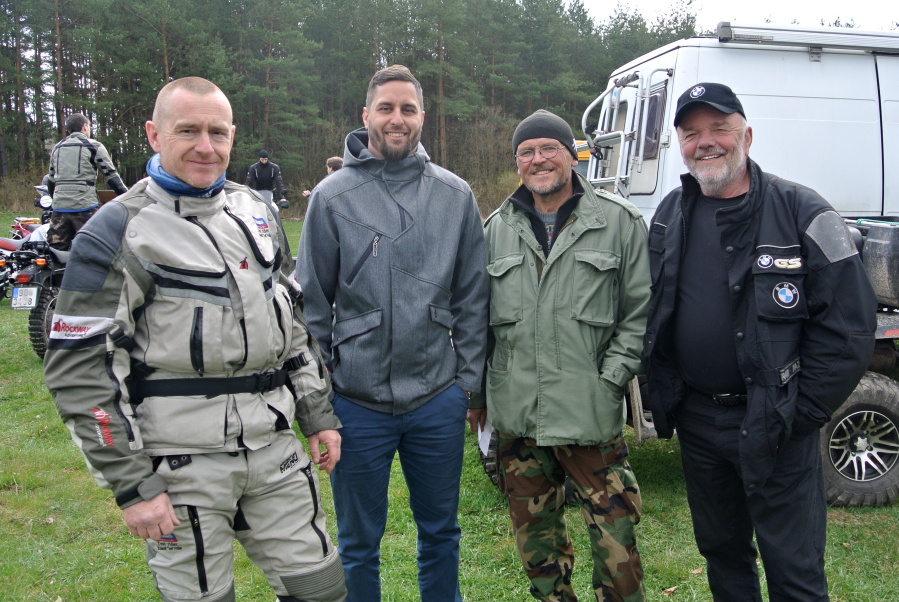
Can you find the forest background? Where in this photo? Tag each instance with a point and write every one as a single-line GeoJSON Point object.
{"type": "Point", "coordinates": [296, 72]}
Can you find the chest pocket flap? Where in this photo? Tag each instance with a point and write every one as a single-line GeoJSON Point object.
{"type": "Point", "coordinates": [506, 287]}
{"type": "Point", "coordinates": [779, 282]}
{"type": "Point", "coordinates": [594, 288]}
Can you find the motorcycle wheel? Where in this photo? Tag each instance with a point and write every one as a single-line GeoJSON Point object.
{"type": "Point", "coordinates": [41, 319]}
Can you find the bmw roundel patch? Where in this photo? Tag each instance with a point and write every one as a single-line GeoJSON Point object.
{"type": "Point", "coordinates": [765, 261]}
{"type": "Point", "coordinates": [786, 295]}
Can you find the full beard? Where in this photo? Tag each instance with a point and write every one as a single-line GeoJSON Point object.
{"type": "Point", "coordinates": [549, 188]}
{"type": "Point", "coordinates": [715, 182]}
{"type": "Point", "coordinates": [392, 153]}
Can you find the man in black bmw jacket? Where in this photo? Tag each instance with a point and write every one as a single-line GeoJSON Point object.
{"type": "Point", "coordinates": [761, 323]}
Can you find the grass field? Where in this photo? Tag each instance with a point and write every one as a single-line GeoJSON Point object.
{"type": "Point", "coordinates": [62, 538]}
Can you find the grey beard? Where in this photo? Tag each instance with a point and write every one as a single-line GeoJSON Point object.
{"type": "Point", "coordinates": [552, 190]}
{"type": "Point", "coordinates": [712, 185]}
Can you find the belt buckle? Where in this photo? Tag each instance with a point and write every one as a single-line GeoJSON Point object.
{"type": "Point", "coordinates": [729, 399]}
{"type": "Point", "coordinates": [264, 381]}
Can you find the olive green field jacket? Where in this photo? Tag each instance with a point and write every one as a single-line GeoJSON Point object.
{"type": "Point", "coordinates": [568, 328]}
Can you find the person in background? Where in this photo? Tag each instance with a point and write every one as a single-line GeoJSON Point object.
{"type": "Point", "coordinates": [391, 263]}
{"type": "Point", "coordinates": [569, 291]}
{"type": "Point", "coordinates": [331, 165]}
{"type": "Point", "coordinates": [761, 324]}
{"type": "Point", "coordinates": [72, 181]}
{"type": "Point", "coordinates": [179, 369]}
{"type": "Point", "coordinates": [265, 178]}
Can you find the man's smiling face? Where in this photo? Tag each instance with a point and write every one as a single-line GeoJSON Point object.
{"type": "Point", "coordinates": [714, 146]}
{"type": "Point", "coordinates": [193, 137]}
{"type": "Point", "coordinates": [542, 176]}
{"type": "Point", "coordinates": [394, 120]}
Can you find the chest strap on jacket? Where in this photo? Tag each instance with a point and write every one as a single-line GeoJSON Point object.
{"type": "Point", "coordinates": [120, 339]}
{"type": "Point", "coordinates": [778, 377]}
{"type": "Point", "coordinates": [85, 182]}
{"type": "Point", "coordinates": [139, 389]}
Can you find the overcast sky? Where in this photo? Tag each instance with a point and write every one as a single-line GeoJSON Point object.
{"type": "Point", "coordinates": [873, 15]}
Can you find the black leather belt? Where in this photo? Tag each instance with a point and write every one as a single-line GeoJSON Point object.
{"type": "Point", "coordinates": [729, 399]}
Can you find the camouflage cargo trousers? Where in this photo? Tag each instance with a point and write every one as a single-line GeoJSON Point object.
{"type": "Point", "coordinates": [609, 498]}
{"type": "Point", "coordinates": [64, 227]}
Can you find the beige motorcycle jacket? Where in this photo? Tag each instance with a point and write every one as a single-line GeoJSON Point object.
{"type": "Point", "coordinates": [176, 333]}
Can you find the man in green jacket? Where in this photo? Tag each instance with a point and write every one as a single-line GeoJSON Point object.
{"type": "Point", "coordinates": [569, 276]}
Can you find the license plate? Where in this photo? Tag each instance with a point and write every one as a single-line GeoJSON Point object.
{"type": "Point", "coordinates": [25, 297]}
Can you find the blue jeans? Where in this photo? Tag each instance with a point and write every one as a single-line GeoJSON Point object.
{"type": "Point", "coordinates": [430, 443]}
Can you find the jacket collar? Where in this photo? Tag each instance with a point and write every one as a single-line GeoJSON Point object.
{"type": "Point", "coordinates": [186, 206]}
{"type": "Point", "coordinates": [356, 154]}
{"type": "Point", "coordinates": [584, 212]}
{"type": "Point", "coordinates": [750, 204]}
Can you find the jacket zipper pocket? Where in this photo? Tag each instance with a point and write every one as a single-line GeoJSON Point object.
{"type": "Point", "coordinates": [364, 258]}
{"type": "Point", "coordinates": [307, 470]}
{"type": "Point", "coordinates": [126, 423]}
{"type": "Point", "coordinates": [196, 342]}
{"type": "Point", "coordinates": [194, 517]}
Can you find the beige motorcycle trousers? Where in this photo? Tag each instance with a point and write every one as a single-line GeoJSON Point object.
{"type": "Point", "coordinates": [269, 500]}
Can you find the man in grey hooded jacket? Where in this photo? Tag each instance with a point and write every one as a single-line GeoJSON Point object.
{"type": "Point", "coordinates": [392, 265]}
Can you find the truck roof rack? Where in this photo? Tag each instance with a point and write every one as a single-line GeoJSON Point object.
{"type": "Point", "coordinates": [847, 39]}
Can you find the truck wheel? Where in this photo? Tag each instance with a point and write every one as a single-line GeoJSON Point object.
{"type": "Point", "coordinates": [41, 319]}
{"type": "Point", "coordinates": [860, 445]}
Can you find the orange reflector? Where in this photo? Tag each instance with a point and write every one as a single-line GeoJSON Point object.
{"type": "Point", "coordinates": [40, 261]}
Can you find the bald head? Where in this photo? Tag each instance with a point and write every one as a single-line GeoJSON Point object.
{"type": "Point", "coordinates": [193, 85]}
{"type": "Point", "coordinates": [192, 131]}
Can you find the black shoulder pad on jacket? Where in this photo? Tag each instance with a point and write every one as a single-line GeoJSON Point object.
{"type": "Point", "coordinates": [829, 232]}
{"type": "Point", "coordinates": [94, 248]}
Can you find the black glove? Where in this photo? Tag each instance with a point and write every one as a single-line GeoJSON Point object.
{"type": "Point", "coordinates": [808, 419]}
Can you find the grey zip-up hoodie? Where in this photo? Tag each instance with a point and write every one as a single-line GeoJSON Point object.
{"type": "Point", "coordinates": [392, 265]}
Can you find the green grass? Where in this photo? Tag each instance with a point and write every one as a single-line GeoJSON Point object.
{"type": "Point", "coordinates": [62, 538]}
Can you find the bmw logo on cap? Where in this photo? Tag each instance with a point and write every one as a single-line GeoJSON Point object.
{"type": "Point", "coordinates": [786, 295]}
{"type": "Point", "coordinates": [697, 91]}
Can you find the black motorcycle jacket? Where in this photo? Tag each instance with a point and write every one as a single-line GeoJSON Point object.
{"type": "Point", "coordinates": [266, 177]}
{"type": "Point", "coordinates": [804, 312]}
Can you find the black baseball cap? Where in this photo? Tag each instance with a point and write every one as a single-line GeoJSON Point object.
{"type": "Point", "coordinates": [715, 95]}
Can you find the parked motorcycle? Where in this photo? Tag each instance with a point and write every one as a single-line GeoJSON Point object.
{"type": "Point", "coordinates": [21, 227]}
{"type": "Point", "coordinates": [44, 201]}
{"type": "Point", "coordinates": [7, 246]}
{"type": "Point", "coordinates": [36, 270]}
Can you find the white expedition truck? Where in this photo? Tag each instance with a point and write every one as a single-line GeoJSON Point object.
{"type": "Point", "coordinates": [824, 108]}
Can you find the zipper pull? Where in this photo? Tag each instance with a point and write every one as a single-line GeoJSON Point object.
{"type": "Point", "coordinates": [374, 246]}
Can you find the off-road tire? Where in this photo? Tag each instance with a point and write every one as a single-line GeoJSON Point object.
{"type": "Point", "coordinates": [860, 446]}
{"type": "Point", "coordinates": [41, 319]}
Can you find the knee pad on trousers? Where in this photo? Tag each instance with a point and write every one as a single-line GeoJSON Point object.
{"type": "Point", "coordinates": [225, 596]}
{"type": "Point", "coordinates": [323, 583]}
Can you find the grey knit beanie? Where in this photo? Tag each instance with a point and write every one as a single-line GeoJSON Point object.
{"type": "Point", "coordinates": [543, 124]}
